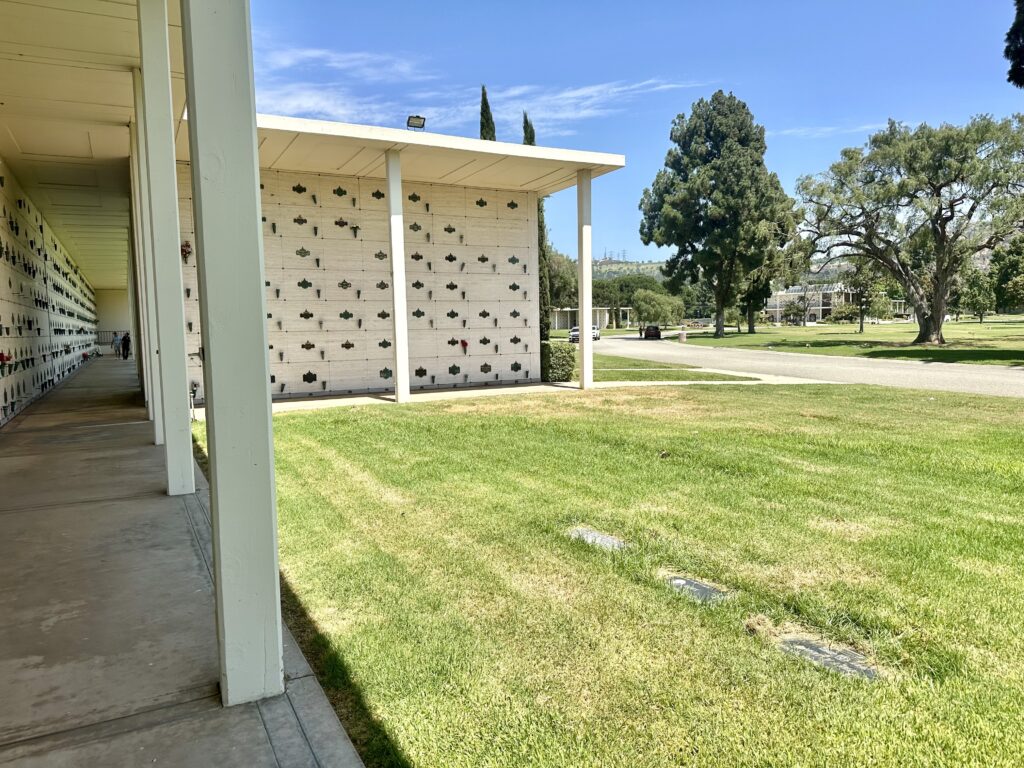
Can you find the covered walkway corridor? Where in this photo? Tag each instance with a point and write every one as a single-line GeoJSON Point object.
{"type": "Point", "coordinates": [108, 641]}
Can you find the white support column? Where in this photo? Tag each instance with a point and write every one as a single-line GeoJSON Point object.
{"type": "Point", "coordinates": [147, 289]}
{"type": "Point", "coordinates": [163, 215]}
{"type": "Point", "coordinates": [396, 234]}
{"type": "Point", "coordinates": [232, 306]}
{"type": "Point", "coordinates": [584, 258]}
{"type": "Point", "coordinates": [142, 342]}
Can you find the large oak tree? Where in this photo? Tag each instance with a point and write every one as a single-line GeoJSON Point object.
{"type": "Point", "coordinates": [715, 201]}
{"type": "Point", "coordinates": [920, 203]}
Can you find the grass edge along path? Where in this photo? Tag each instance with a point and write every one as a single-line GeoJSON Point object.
{"type": "Point", "coordinates": [611, 368]}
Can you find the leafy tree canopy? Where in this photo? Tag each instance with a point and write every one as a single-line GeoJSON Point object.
{"type": "Point", "coordinates": [563, 280]}
{"type": "Point", "coordinates": [1007, 263]}
{"type": "Point", "coordinates": [975, 292]}
{"type": "Point", "coordinates": [1015, 291]}
{"type": "Point", "coordinates": [658, 308]}
{"type": "Point", "coordinates": [920, 202]}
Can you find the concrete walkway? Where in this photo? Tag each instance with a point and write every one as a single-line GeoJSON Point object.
{"type": "Point", "coordinates": [108, 645]}
{"type": "Point", "coordinates": [909, 374]}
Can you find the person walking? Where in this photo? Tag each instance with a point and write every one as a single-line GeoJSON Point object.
{"type": "Point", "coordinates": [116, 343]}
{"type": "Point", "coordinates": [126, 345]}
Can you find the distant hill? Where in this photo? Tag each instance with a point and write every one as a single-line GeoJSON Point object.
{"type": "Point", "coordinates": [609, 268]}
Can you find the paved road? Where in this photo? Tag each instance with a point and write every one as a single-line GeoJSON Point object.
{"type": "Point", "coordinates": [910, 374]}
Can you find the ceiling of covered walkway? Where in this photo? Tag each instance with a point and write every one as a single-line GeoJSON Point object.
{"type": "Point", "coordinates": [65, 105]}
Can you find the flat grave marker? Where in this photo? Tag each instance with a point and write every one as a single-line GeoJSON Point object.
{"type": "Point", "coordinates": [701, 591]}
{"type": "Point", "coordinates": [596, 538]}
{"type": "Point", "coordinates": [845, 661]}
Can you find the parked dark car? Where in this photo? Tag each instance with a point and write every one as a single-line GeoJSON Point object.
{"type": "Point", "coordinates": [652, 332]}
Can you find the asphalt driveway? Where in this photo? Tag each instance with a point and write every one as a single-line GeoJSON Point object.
{"type": "Point", "coordinates": [908, 374]}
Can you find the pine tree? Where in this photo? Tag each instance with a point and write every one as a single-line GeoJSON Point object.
{"type": "Point", "coordinates": [486, 121]}
{"type": "Point", "coordinates": [1014, 51]}
{"type": "Point", "coordinates": [543, 276]}
{"type": "Point", "coordinates": [716, 202]}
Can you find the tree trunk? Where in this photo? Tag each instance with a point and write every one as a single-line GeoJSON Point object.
{"type": "Point", "coordinates": [750, 318]}
{"type": "Point", "coordinates": [929, 311]}
{"type": "Point", "coordinates": [930, 317]}
{"type": "Point", "coordinates": [929, 330]}
{"type": "Point", "coordinates": [719, 321]}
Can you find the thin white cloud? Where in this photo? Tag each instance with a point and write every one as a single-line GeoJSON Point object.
{"type": "Point", "coordinates": [325, 102]}
{"type": "Point", "coordinates": [825, 131]}
{"type": "Point", "coordinates": [364, 66]}
{"type": "Point", "coordinates": [367, 87]}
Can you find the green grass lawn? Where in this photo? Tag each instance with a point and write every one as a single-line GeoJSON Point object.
{"type": "Point", "coordinates": [428, 575]}
{"type": "Point", "coordinates": [997, 341]}
{"type": "Point", "coordinates": [612, 368]}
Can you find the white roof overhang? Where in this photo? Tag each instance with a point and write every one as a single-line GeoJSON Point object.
{"type": "Point", "coordinates": [317, 146]}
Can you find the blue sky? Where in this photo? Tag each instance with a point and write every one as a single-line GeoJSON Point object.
{"type": "Point", "coordinates": [611, 76]}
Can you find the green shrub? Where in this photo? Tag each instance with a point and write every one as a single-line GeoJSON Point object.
{"type": "Point", "coordinates": [557, 360]}
{"type": "Point", "coordinates": [847, 312]}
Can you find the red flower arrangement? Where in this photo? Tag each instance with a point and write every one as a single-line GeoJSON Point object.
{"type": "Point", "coordinates": [465, 346]}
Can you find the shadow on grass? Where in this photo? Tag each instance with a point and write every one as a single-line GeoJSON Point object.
{"type": "Point", "coordinates": [954, 352]}
{"type": "Point", "coordinates": [1014, 357]}
{"type": "Point", "coordinates": [368, 734]}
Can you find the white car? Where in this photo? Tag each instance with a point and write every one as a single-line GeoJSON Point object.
{"type": "Point", "coordinates": [574, 333]}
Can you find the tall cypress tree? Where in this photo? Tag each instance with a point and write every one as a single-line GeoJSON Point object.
{"type": "Point", "coordinates": [486, 121]}
{"type": "Point", "coordinates": [543, 276]}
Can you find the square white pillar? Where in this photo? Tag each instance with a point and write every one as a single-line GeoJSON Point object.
{"type": "Point", "coordinates": [396, 235]}
{"type": "Point", "coordinates": [143, 348]}
{"type": "Point", "coordinates": [584, 266]}
{"type": "Point", "coordinates": [147, 289]}
{"type": "Point", "coordinates": [158, 128]}
{"type": "Point", "coordinates": [232, 306]}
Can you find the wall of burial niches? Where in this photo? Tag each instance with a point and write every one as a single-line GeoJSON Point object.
{"type": "Point", "coordinates": [471, 267]}
{"type": "Point", "coordinates": [47, 308]}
